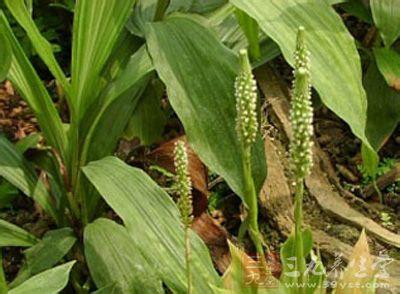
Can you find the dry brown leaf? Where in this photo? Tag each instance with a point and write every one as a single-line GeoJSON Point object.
{"type": "Point", "coordinates": [216, 239]}
{"type": "Point", "coordinates": [360, 269]}
{"type": "Point", "coordinates": [164, 157]}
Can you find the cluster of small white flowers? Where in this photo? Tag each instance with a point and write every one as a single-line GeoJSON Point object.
{"type": "Point", "coordinates": [183, 184]}
{"type": "Point", "coordinates": [246, 102]}
{"type": "Point", "coordinates": [301, 114]}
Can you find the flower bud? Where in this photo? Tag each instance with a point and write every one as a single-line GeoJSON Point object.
{"type": "Point", "coordinates": [301, 113]}
{"type": "Point", "coordinates": [183, 184]}
{"type": "Point", "coordinates": [246, 102]}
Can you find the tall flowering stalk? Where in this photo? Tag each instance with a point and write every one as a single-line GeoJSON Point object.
{"type": "Point", "coordinates": [247, 128]}
{"type": "Point", "coordinates": [183, 186]}
{"type": "Point", "coordinates": [301, 116]}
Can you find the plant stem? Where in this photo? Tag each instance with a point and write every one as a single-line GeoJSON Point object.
{"type": "Point", "coordinates": [251, 200]}
{"type": "Point", "coordinates": [188, 260]}
{"type": "Point", "coordinates": [378, 191]}
{"type": "Point", "coordinates": [162, 6]}
{"type": "Point", "coordinates": [298, 215]}
{"type": "Point", "coordinates": [73, 205]}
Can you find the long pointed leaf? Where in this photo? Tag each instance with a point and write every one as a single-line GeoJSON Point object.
{"type": "Point", "coordinates": [3, 282]}
{"type": "Point", "coordinates": [199, 73]}
{"type": "Point", "coordinates": [5, 56]}
{"type": "Point", "coordinates": [21, 13]}
{"type": "Point", "coordinates": [383, 107]}
{"type": "Point", "coordinates": [113, 112]}
{"type": "Point", "coordinates": [388, 62]}
{"type": "Point", "coordinates": [49, 282]}
{"type": "Point", "coordinates": [45, 254]}
{"type": "Point", "coordinates": [32, 90]}
{"type": "Point", "coordinates": [15, 169]}
{"type": "Point", "coordinates": [113, 259]}
{"type": "Point", "coordinates": [152, 219]}
{"type": "Point", "coordinates": [148, 119]}
{"type": "Point", "coordinates": [118, 102]}
{"type": "Point", "coordinates": [386, 14]}
{"type": "Point", "coordinates": [97, 26]}
{"type": "Point", "coordinates": [12, 235]}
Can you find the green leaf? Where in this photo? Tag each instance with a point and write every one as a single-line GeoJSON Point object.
{"type": "Point", "coordinates": [199, 74]}
{"type": "Point", "coordinates": [383, 104]}
{"type": "Point", "coordinates": [383, 109]}
{"type": "Point", "coordinates": [97, 27]}
{"type": "Point", "coordinates": [16, 170]}
{"type": "Point", "coordinates": [358, 9]}
{"type": "Point", "coordinates": [152, 220]}
{"type": "Point", "coordinates": [105, 125]}
{"type": "Point", "coordinates": [144, 13]}
{"type": "Point", "coordinates": [49, 282]}
{"type": "Point", "coordinates": [206, 6]}
{"type": "Point", "coordinates": [148, 119]}
{"type": "Point", "coordinates": [44, 49]}
{"type": "Point", "coordinates": [370, 161]}
{"type": "Point", "coordinates": [251, 30]}
{"type": "Point", "coordinates": [386, 16]}
{"type": "Point", "coordinates": [28, 142]}
{"type": "Point", "coordinates": [32, 90]}
{"type": "Point", "coordinates": [225, 23]}
{"type": "Point", "coordinates": [5, 56]}
{"type": "Point", "coordinates": [7, 193]}
{"type": "Point", "coordinates": [117, 104]}
{"type": "Point", "coordinates": [12, 235]}
{"type": "Point", "coordinates": [388, 62]}
{"type": "Point", "coordinates": [113, 259]}
{"type": "Point", "coordinates": [317, 276]}
{"type": "Point", "coordinates": [288, 256]}
{"type": "Point", "coordinates": [46, 253]}
{"type": "Point", "coordinates": [3, 282]}
{"type": "Point", "coordinates": [335, 63]}
{"type": "Point", "coordinates": [112, 289]}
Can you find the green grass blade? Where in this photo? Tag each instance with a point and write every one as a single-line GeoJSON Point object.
{"type": "Point", "coordinates": [44, 49]}
{"type": "Point", "coordinates": [32, 90]}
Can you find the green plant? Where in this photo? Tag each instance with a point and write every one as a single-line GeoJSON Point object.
{"type": "Point", "coordinates": [298, 246]}
{"type": "Point", "coordinates": [247, 129]}
{"type": "Point", "coordinates": [110, 69]}
{"type": "Point", "coordinates": [301, 117]}
{"type": "Point", "coordinates": [119, 48]}
{"type": "Point", "coordinates": [383, 167]}
{"type": "Point", "coordinates": [183, 188]}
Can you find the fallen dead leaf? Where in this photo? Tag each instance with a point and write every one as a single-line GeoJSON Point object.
{"type": "Point", "coordinates": [164, 156]}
